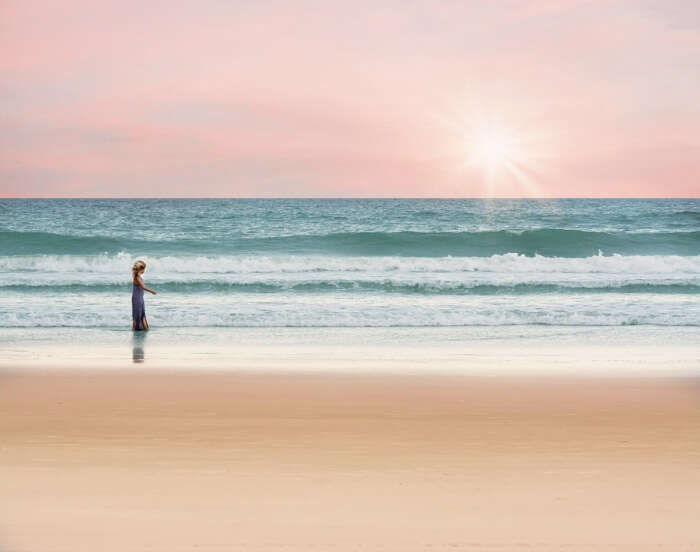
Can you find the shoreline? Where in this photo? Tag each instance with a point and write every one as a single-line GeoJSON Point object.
{"type": "Point", "coordinates": [631, 351]}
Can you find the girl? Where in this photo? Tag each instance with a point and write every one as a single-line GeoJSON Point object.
{"type": "Point", "coordinates": [138, 308]}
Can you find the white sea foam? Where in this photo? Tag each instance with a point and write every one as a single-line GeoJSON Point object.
{"type": "Point", "coordinates": [352, 310]}
{"type": "Point", "coordinates": [323, 290]}
{"type": "Point", "coordinates": [108, 269]}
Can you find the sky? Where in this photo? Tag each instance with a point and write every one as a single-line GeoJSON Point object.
{"type": "Point", "coordinates": [213, 98]}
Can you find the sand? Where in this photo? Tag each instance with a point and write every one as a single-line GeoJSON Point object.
{"type": "Point", "coordinates": [171, 461]}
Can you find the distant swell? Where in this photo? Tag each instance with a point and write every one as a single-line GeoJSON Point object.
{"type": "Point", "coordinates": [546, 242]}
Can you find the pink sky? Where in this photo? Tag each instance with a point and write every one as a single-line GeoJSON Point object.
{"type": "Point", "coordinates": [277, 99]}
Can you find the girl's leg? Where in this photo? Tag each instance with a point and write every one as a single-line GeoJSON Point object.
{"type": "Point", "coordinates": [144, 323]}
{"type": "Point", "coordinates": [133, 325]}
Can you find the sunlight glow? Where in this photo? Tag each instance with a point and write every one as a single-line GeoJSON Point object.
{"type": "Point", "coordinates": [494, 148]}
{"type": "Point", "coordinates": [499, 150]}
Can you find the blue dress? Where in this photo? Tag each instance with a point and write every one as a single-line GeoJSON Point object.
{"type": "Point", "coordinates": [138, 307]}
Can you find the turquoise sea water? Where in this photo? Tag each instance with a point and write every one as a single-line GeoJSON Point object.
{"type": "Point", "coordinates": [351, 262]}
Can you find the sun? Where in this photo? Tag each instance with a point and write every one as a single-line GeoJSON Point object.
{"type": "Point", "coordinates": [504, 155]}
{"type": "Point", "coordinates": [494, 148]}
{"type": "Point", "coordinates": [498, 151]}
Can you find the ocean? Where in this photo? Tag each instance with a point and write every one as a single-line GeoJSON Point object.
{"type": "Point", "coordinates": [65, 263]}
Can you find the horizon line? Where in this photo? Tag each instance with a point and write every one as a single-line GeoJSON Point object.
{"type": "Point", "coordinates": [2, 198]}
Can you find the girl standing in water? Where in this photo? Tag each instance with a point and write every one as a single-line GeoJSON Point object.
{"type": "Point", "coordinates": [138, 307]}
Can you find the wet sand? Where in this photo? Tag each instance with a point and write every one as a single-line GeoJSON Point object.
{"type": "Point", "coordinates": [173, 461]}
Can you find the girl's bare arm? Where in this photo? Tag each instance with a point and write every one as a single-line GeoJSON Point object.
{"type": "Point", "coordinates": [141, 284]}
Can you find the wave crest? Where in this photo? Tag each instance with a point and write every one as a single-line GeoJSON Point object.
{"type": "Point", "coordinates": [552, 242]}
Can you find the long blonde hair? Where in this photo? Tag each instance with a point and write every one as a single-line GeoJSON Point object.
{"type": "Point", "coordinates": [138, 267]}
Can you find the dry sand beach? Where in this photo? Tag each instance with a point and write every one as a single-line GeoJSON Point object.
{"type": "Point", "coordinates": [140, 460]}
